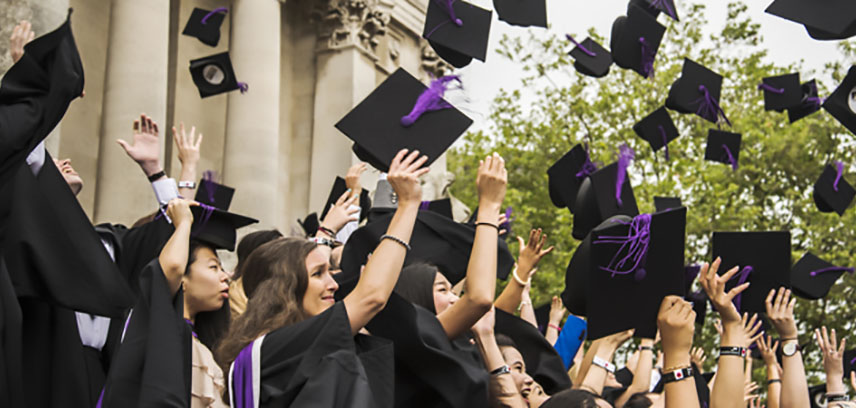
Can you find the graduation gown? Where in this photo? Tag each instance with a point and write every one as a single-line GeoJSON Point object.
{"type": "Point", "coordinates": [316, 362]}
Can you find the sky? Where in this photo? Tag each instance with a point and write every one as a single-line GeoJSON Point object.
{"type": "Point", "coordinates": [786, 41]}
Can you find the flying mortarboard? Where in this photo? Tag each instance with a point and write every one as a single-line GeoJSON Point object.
{"type": "Point", "coordinates": [576, 275]}
{"type": "Point", "coordinates": [590, 58]}
{"type": "Point", "coordinates": [403, 113]}
{"type": "Point", "coordinates": [812, 277]}
{"type": "Point", "coordinates": [666, 203]}
{"type": "Point", "coordinates": [842, 103]}
{"type": "Point", "coordinates": [658, 129]}
{"type": "Point", "coordinates": [764, 259]}
{"type": "Point", "coordinates": [524, 13]}
{"type": "Point", "coordinates": [635, 41]}
{"type": "Point", "coordinates": [605, 193]}
{"type": "Point", "coordinates": [824, 20]}
{"type": "Point", "coordinates": [458, 31]}
{"type": "Point", "coordinates": [214, 75]}
{"type": "Point", "coordinates": [212, 193]}
{"type": "Point", "coordinates": [310, 224]}
{"type": "Point", "coordinates": [339, 188]}
{"type": "Point", "coordinates": [831, 191]}
{"type": "Point", "coordinates": [782, 92]}
{"type": "Point", "coordinates": [697, 91]}
{"type": "Point", "coordinates": [566, 175]}
{"type": "Point", "coordinates": [542, 317]}
{"type": "Point", "coordinates": [212, 221]}
{"type": "Point", "coordinates": [810, 102]}
{"type": "Point", "coordinates": [723, 147]}
{"type": "Point", "coordinates": [666, 6]}
{"type": "Point", "coordinates": [205, 25]}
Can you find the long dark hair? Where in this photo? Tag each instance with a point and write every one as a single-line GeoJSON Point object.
{"type": "Point", "coordinates": [249, 243]}
{"type": "Point", "coordinates": [209, 326]}
{"type": "Point", "coordinates": [281, 264]}
{"type": "Point", "coordinates": [416, 284]}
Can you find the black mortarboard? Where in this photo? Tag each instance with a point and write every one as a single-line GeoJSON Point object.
{"type": "Point", "coordinates": [812, 277]}
{"type": "Point", "coordinates": [634, 266]}
{"type": "Point", "coordinates": [635, 41]}
{"type": "Point", "coordinates": [782, 92]}
{"type": "Point", "coordinates": [310, 224]}
{"type": "Point", "coordinates": [214, 194]}
{"type": "Point", "coordinates": [849, 362]}
{"type": "Point", "coordinates": [842, 103]}
{"type": "Point", "coordinates": [723, 147]}
{"type": "Point", "coordinates": [376, 128]}
{"type": "Point", "coordinates": [563, 180]}
{"type": "Point", "coordinates": [769, 255]}
{"type": "Point", "coordinates": [697, 91]}
{"type": "Point", "coordinates": [810, 102]}
{"type": "Point", "coordinates": [666, 203]}
{"type": "Point", "coordinates": [214, 75]}
{"type": "Point", "coordinates": [436, 239]}
{"type": "Point", "coordinates": [339, 188]}
{"type": "Point", "coordinates": [658, 129]}
{"type": "Point", "coordinates": [643, 5]}
{"type": "Point", "coordinates": [832, 192]}
{"type": "Point", "coordinates": [524, 13]}
{"type": "Point", "coordinates": [576, 276]}
{"type": "Point", "coordinates": [624, 376]}
{"type": "Point", "coordinates": [457, 43]}
{"type": "Point", "coordinates": [666, 6]}
{"type": "Point", "coordinates": [442, 207]}
{"type": "Point", "coordinates": [824, 20]}
{"type": "Point", "coordinates": [205, 25]}
{"type": "Point", "coordinates": [590, 58]}
{"type": "Point", "coordinates": [817, 396]}
{"type": "Point", "coordinates": [543, 363]}
{"type": "Point", "coordinates": [542, 317]}
{"type": "Point", "coordinates": [217, 227]}
{"type": "Point", "coordinates": [596, 200]}
{"type": "Point", "coordinates": [699, 301]}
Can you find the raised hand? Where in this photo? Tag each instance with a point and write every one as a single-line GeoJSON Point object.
{"type": "Point", "coordinates": [341, 213]}
{"type": "Point", "coordinates": [484, 327]}
{"type": "Point", "coordinates": [751, 330]}
{"type": "Point", "coordinates": [404, 173]}
{"type": "Point", "coordinates": [352, 178]}
{"type": "Point", "coordinates": [617, 339]}
{"type": "Point", "coordinates": [697, 357]}
{"type": "Point", "coordinates": [492, 180]}
{"type": "Point", "coordinates": [676, 321]}
{"type": "Point", "coordinates": [768, 348]}
{"type": "Point", "coordinates": [780, 310]}
{"type": "Point", "coordinates": [188, 145]}
{"type": "Point", "coordinates": [146, 148]}
{"type": "Point", "coordinates": [714, 286]}
{"type": "Point", "coordinates": [833, 353]}
{"type": "Point", "coordinates": [178, 210]}
{"type": "Point", "coordinates": [21, 35]}
{"type": "Point", "coordinates": [531, 252]}
{"type": "Point", "coordinates": [557, 311]}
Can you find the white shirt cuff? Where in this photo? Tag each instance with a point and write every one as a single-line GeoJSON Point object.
{"type": "Point", "coordinates": [36, 159]}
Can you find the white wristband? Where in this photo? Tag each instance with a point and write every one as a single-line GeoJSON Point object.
{"type": "Point", "coordinates": [606, 365]}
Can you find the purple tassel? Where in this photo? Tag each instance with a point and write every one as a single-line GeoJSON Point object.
{"type": "Point", "coordinates": [588, 167]}
{"type": "Point", "coordinates": [770, 88]}
{"type": "Point", "coordinates": [708, 108]}
{"type": "Point", "coordinates": [208, 177]}
{"type": "Point", "coordinates": [634, 247]}
{"type": "Point", "coordinates": [447, 4]}
{"type": "Point", "coordinates": [664, 5]}
{"type": "Point", "coordinates": [243, 86]}
{"type": "Point", "coordinates": [648, 55]}
{"type": "Point", "coordinates": [192, 331]}
{"type": "Point", "coordinates": [742, 276]}
{"type": "Point", "coordinates": [625, 155]}
{"type": "Point", "coordinates": [692, 272]}
{"type": "Point", "coordinates": [840, 168]}
{"type": "Point", "coordinates": [853, 361]}
{"type": "Point", "coordinates": [507, 224]}
{"type": "Point", "coordinates": [580, 46]}
{"type": "Point", "coordinates": [665, 140]}
{"type": "Point", "coordinates": [207, 210]}
{"type": "Point", "coordinates": [424, 205]}
{"type": "Point", "coordinates": [213, 12]}
{"type": "Point", "coordinates": [814, 100]}
{"type": "Point", "coordinates": [430, 100]}
{"type": "Point", "coordinates": [832, 269]}
{"type": "Point", "coordinates": [731, 158]}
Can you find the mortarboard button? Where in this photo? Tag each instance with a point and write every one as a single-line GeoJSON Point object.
{"type": "Point", "coordinates": [658, 129]}
{"type": "Point", "coordinates": [214, 75]}
{"type": "Point", "coordinates": [782, 92]}
{"type": "Point", "coordinates": [605, 193]}
{"type": "Point", "coordinates": [217, 227]}
{"type": "Point", "coordinates": [458, 31]}
{"type": "Point", "coordinates": [205, 25]}
{"type": "Point", "coordinates": [812, 277]}
{"type": "Point", "coordinates": [378, 125]}
{"type": "Point", "coordinates": [566, 175]}
{"type": "Point", "coordinates": [723, 147]}
{"type": "Point", "coordinates": [635, 41]}
{"type": "Point", "coordinates": [824, 20]}
{"type": "Point", "coordinates": [831, 191]}
{"type": "Point", "coordinates": [590, 58]}
{"type": "Point", "coordinates": [524, 13]}
{"type": "Point", "coordinates": [810, 102]}
{"type": "Point", "coordinates": [697, 91]}
{"type": "Point", "coordinates": [666, 203]}
{"type": "Point", "coordinates": [214, 194]}
{"type": "Point", "coordinates": [842, 103]}
{"type": "Point", "coordinates": [764, 259]}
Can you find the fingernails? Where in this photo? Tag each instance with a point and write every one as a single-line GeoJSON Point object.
{"type": "Point", "coordinates": [349, 190]}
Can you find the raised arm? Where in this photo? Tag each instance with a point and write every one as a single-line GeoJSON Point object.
{"type": "Point", "coordinates": [342, 213]}
{"type": "Point", "coordinates": [531, 253]}
{"type": "Point", "coordinates": [676, 322]}
{"type": "Point", "coordinates": [833, 364]}
{"type": "Point", "coordinates": [774, 380]}
{"type": "Point", "coordinates": [173, 256]}
{"type": "Point", "coordinates": [188, 146]}
{"type": "Point", "coordinates": [481, 270]}
{"type": "Point", "coordinates": [383, 268]}
{"type": "Point", "coordinates": [780, 310]}
{"type": "Point", "coordinates": [597, 372]}
{"type": "Point", "coordinates": [642, 374]}
{"type": "Point", "coordinates": [557, 313]}
{"type": "Point", "coordinates": [503, 390]}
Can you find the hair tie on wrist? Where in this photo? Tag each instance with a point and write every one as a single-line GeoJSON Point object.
{"type": "Point", "coordinates": [487, 224]}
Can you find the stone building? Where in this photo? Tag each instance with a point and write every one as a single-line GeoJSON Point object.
{"type": "Point", "coordinates": [307, 63]}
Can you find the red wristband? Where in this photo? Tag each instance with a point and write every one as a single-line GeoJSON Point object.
{"type": "Point", "coordinates": [555, 327]}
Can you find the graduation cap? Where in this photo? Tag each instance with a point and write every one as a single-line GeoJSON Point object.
{"type": "Point", "coordinates": [658, 129]}
{"type": "Point", "coordinates": [831, 191]}
{"type": "Point", "coordinates": [542, 317]}
{"type": "Point", "coordinates": [590, 58]}
{"type": "Point", "coordinates": [217, 227]}
{"type": "Point", "coordinates": [214, 75]}
{"type": "Point", "coordinates": [699, 301]}
{"type": "Point", "coordinates": [605, 193]}
{"type": "Point", "coordinates": [634, 266]}
{"type": "Point", "coordinates": [810, 102]}
{"type": "Point", "coordinates": [400, 114]}
{"type": "Point", "coordinates": [567, 174]}
{"type": "Point", "coordinates": [849, 362]}
{"type": "Point", "coordinates": [635, 41]}
{"type": "Point", "coordinates": [697, 91]}
{"type": "Point", "coordinates": [812, 277]}
{"type": "Point", "coordinates": [340, 186]}
{"type": "Point", "coordinates": [442, 207]}
{"type": "Point", "coordinates": [576, 275]}
{"type": "Point", "coordinates": [765, 261]}
{"type": "Point", "coordinates": [666, 203]}
{"type": "Point", "coordinates": [842, 103]}
{"type": "Point", "coordinates": [524, 13]}
{"type": "Point", "coordinates": [817, 396]}
{"type": "Point", "coordinates": [542, 361]}
{"type": "Point", "coordinates": [205, 25]}
{"type": "Point", "coordinates": [723, 147]}
{"type": "Point", "coordinates": [212, 193]}
{"type": "Point", "coordinates": [310, 224]}
{"type": "Point", "coordinates": [666, 6]}
{"type": "Point", "coordinates": [571, 338]}
{"type": "Point", "coordinates": [824, 20]}
{"type": "Point", "coordinates": [436, 239]}
{"type": "Point", "coordinates": [782, 92]}
{"type": "Point", "coordinates": [458, 31]}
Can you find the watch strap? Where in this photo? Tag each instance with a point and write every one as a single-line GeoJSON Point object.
{"type": "Point", "coordinates": [501, 370]}
{"type": "Point", "coordinates": [733, 351]}
{"type": "Point", "coordinates": [187, 184]}
{"type": "Point", "coordinates": [606, 365]}
{"type": "Point", "coordinates": [837, 398]}
{"type": "Point", "coordinates": [156, 176]}
{"type": "Point", "coordinates": [677, 375]}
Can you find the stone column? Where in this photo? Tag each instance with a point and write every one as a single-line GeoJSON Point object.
{"type": "Point", "coordinates": [251, 154]}
{"type": "Point", "coordinates": [136, 82]}
{"type": "Point", "coordinates": [350, 31]}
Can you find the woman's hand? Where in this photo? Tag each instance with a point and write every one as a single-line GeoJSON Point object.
{"type": "Point", "coordinates": [484, 327]}
{"type": "Point", "coordinates": [492, 180]}
{"type": "Point", "coordinates": [404, 173]}
{"type": "Point", "coordinates": [21, 35]}
{"type": "Point", "coordinates": [833, 353]}
{"type": "Point", "coordinates": [188, 146]}
{"type": "Point", "coordinates": [751, 330]}
{"type": "Point", "coordinates": [768, 348]}
{"type": "Point", "coordinates": [697, 357]}
{"type": "Point", "coordinates": [780, 310]}
{"type": "Point", "coordinates": [676, 321]}
{"type": "Point", "coordinates": [341, 213]}
{"type": "Point", "coordinates": [352, 178]}
{"type": "Point", "coordinates": [557, 311]}
{"type": "Point", "coordinates": [146, 148]}
{"type": "Point", "coordinates": [531, 252]}
{"type": "Point", "coordinates": [616, 340]}
{"type": "Point", "coordinates": [178, 210]}
{"type": "Point", "coordinates": [714, 286]}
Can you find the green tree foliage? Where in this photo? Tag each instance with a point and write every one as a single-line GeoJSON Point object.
{"type": "Point", "coordinates": [554, 108]}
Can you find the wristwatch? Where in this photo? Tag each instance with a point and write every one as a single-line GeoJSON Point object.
{"type": "Point", "coordinates": [324, 241]}
{"type": "Point", "coordinates": [500, 371]}
{"type": "Point", "coordinates": [790, 348]}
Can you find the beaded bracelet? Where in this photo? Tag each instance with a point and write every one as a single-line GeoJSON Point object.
{"type": "Point", "coordinates": [397, 240]}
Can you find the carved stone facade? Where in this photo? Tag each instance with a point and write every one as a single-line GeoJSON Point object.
{"type": "Point", "coordinates": [343, 23]}
{"type": "Point", "coordinates": [432, 63]}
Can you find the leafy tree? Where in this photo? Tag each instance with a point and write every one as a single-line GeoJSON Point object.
{"type": "Point", "coordinates": [772, 190]}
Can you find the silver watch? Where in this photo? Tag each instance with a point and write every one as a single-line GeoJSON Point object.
{"type": "Point", "coordinates": [790, 348]}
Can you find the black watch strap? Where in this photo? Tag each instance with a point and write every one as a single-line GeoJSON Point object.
{"type": "Point", "coordinates": [732, 351]}
{"type": "Point", "coordinates": [677, 375]}
{"type": "Point", "coordinates": [156, 176]}
{"type": "Point", "coordinates": [837, 398]}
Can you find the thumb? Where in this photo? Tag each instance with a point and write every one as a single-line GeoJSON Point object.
{"type": "Point", "coordinates": [124, 145]}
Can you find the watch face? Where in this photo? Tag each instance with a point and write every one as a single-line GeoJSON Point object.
{"type": "Point", "coordinates": [789, 349]}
